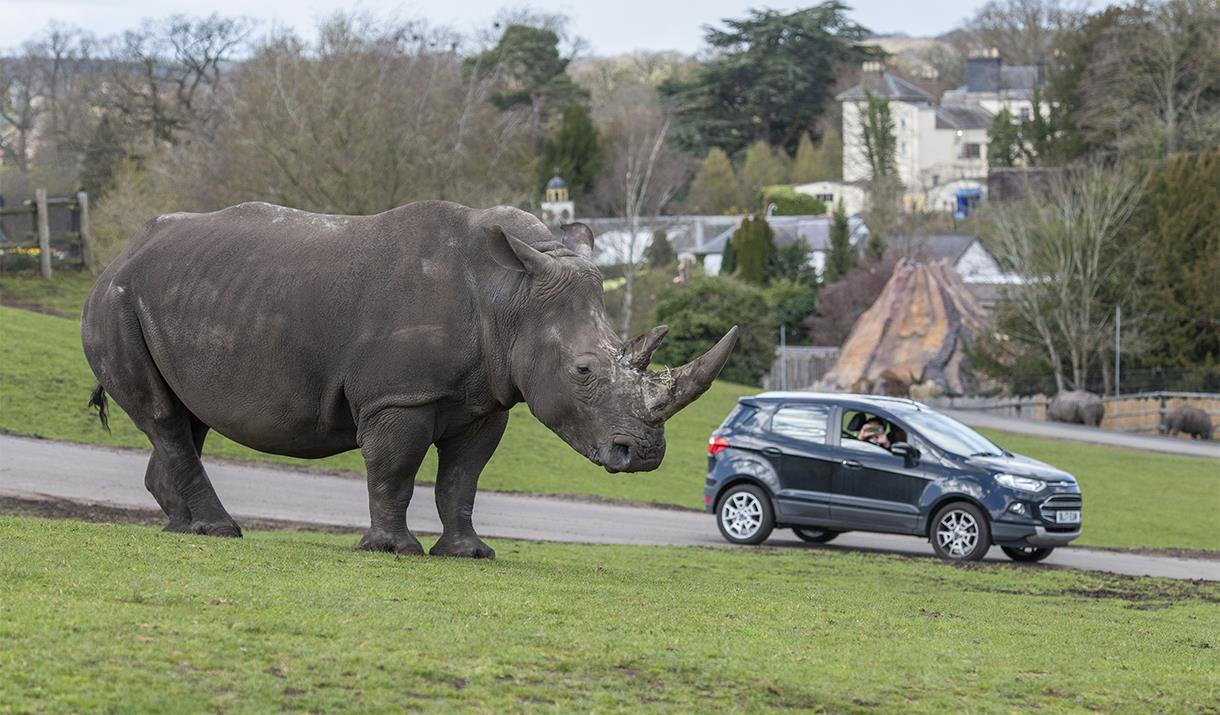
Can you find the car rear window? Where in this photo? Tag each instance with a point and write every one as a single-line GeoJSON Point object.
{"type": "Point", "coordinates": [805, 422]}
{"type": "Point", "coordinates": [741, 416]}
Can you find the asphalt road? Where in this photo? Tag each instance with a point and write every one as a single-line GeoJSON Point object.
{"type": "Point", "coordinates": [41, 469]}
{"type": "Point", "coordinates": [1081, 433]}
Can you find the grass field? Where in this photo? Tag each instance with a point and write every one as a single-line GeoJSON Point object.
{"type": "Point", "coordinates": [1133, 498]}
{"type": "Point", "coordinates": [100, 617]}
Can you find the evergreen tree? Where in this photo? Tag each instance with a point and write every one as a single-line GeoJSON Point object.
{"type": "Point", "coordinates": [762, 167]}
{"type": "Point", "coordinates": [715, 190]}
{"type": "Point", "coordinates": [660, 253]}
{"type": "Point", "coordinates": [875, 248]}
{"type": "Point", "coordinates": [755, 246]}
{"type": "Point", "coordinates": [841, 258]}
{"type": "Point", "coordinates": [728, 259]}
{"type": "Point", "coordinates": [830, 154]}
{"type": "Point", "coordinates": [574, 150]}
{"type": "Point", "coordinates": [789, 303]}
{"type": "Point", "coordinates": [806, 163]}
{"type": "Point", "coordinates": [1004, 145]}
{"type": "Point", "coordinates": [877, 137]}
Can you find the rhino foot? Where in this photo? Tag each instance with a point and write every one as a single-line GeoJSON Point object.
{"type": "Point", "coordinates": [467, 546]}
{"type": "Point", "coordinates": [217, 528]}
{"type": "Point", "coordinates": [402, 544]}
{"type": "Point", "coordinates": [179, 527]}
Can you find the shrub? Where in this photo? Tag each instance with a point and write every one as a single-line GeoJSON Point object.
{"type": "Point", "coordinates": [789, 303]}
{"type": "Point", "coordinates": [130, 201]}
{"type": "Point", "coordinates": [790, 202]}
{"type": "Point", "coordinates": [700, 312]}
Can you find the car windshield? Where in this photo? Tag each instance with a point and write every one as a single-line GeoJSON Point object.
{"type": "Point", "coordinates": [951, 435]}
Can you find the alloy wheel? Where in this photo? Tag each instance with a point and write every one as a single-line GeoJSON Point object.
{"type": "Point", "coordinates": [957, 533]}
{"type": "Point", "coordinates": [742, 515]}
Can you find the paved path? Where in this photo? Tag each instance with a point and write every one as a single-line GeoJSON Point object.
{"type": "Point", "coordinates": [32, 468]}
{"type": "Point", "coordinates": [1080, 433]}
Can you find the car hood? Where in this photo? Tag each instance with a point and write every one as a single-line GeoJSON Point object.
{"type": "Point", "coordinates": [1023, 467]}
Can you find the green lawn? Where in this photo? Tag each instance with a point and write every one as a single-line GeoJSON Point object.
{"type": "Point", "coordinates": [115, 618]}
{"type": "Point", "coordinates": [64, 294]}
{"type": "Point", "coordinates": [1133, 498]}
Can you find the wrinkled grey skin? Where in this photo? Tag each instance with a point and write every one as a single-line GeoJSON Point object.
{"type": "Point", "coordinates": [1191, 420]}
{"type": "Point", "coordinates": [1077, 407]}
{"type": "Point", "coordinates": [307, 335]}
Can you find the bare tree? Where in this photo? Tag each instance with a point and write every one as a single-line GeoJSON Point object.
{"type": "Point", "coordinates": [643, 175]}
{"type": "Point", "coordinates": [1071, 248]}
{"type": "Point", "coordinates": [21, 95]}
{"type": "Point", "coordinates": [1024, 31]}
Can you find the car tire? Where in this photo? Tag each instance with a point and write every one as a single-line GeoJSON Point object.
{"type": "Point", "coordinates": [960, 532]}
{"type": "Point", "coordinates": [1027, 554]}
{"type": "Point", "coordinates": [814, 535]}
{"type": "Point", "coordinates": [744, 515]}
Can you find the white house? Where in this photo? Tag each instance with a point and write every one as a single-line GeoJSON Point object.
{"type": "Point", "coordinates": [852, 194]}
{"type": "Point", "coordinates": [941, 142]}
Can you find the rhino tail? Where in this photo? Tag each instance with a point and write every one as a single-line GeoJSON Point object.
{"type": "Point", "coordinates": [98, 400]}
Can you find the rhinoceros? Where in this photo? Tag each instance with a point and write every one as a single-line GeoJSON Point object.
{"type": "Point", "coordinates": [1191, 420]}
{"type": "Point", "coordinates": [307, 335]}
{"type": "Point", "coordinates": [1078, 407]}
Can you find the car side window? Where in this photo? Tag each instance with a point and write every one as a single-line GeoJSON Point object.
{"type": "Point", "coordinates": [807, 423]}
{"type": "Point", "coordinates": [861, 446]}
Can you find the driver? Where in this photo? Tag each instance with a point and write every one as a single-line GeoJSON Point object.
{"type": "Point", "coordinates": [873, 432]}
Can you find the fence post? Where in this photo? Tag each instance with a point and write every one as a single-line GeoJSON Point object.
{"type": "Point", "coordinates": [44, 232]}
{"type": "Point", "coordinates": [1160, 420]}
{"type": "Point", "coordinates": [86, 236]}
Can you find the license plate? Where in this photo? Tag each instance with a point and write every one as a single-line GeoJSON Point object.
{"type": "Point", "coordinates": [1067, 517]}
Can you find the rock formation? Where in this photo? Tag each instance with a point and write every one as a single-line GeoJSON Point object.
{"type": "Point", "coordinates": [913, 335]}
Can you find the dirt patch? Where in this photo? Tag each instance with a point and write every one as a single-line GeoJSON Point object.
{"type": "Point", "coordinates": [32, 307]}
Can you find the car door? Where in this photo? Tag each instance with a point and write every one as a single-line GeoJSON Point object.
{"type": "Point", "coordinates": [873, 489]}
{"type": "Point", "coordinates": [805, 462]}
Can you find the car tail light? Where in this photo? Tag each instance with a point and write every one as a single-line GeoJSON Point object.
{"type": "Point", "coordinates": [716, 445]}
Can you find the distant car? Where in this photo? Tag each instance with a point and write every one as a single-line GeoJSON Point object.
{"type": "Point", "coordinates": [804, 461]}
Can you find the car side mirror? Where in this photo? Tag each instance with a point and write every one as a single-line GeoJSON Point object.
{"type": "Point", "coordinates": [909, 453]}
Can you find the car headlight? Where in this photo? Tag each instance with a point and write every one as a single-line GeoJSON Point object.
{"type": "Point", "coordinates": [1025, 484]}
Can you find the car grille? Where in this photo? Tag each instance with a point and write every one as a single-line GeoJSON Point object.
{"type": "Point", "coordinates": [1055, 503]}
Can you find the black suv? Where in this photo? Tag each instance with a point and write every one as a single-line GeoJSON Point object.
{"type": "Point", "coordinates": [825, 464]}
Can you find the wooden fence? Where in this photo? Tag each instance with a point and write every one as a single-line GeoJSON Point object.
{"type": "Point", "coordinates": [798, 367]}
{"type": "Point", "coordinates": [1142, 412]}
{"type": "Point", "coordinates": [40, 234]}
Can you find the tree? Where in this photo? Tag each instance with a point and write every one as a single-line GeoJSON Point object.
{"type": "Point", "coordinates": [1072, 249]}
{"type": "Point", "coordinates": [821, 162]}
{"type": "Point", "coordinates": [841, 257]}
{"type": "Point", "coordinates": [660, 253]}
{"type": "Point", "coordinates": [1023, 31]}
{"type": "Point", "coordinates": [790, 262]}
{"type": "Point", "coordinates": [574, 151]}
{"type": "Point", "coordinates": [715, 189]}
{"type": "Point", "coordinates": [529, 72]}
{"type": "Point", "coordinates": [20, 104]}
{"type": "Point", "coordinates": [762, 167]}
{"type": "Point", "coordinates": [753, 242]}
{"type": "Point", "coordinates": [877, 137]}
{"type": "Point", "coordinates": [805, 163]}
{"type": "Point", "coordinates": [1004, 145]}
{"type": "Point", "coordinates": [699, 313]}
{"type": "Point", "coordinates": [771, 79]}
{"type": "Point", "coordinates": [644, 174]}
{"type": "Point", "coordinates": [790, 302]}
{"type": "Point", "coordinates": [841, 303]}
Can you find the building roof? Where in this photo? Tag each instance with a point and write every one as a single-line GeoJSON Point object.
{"type": "Point", "coordinates": [950, 247]}
{"type": "Point", "coordinates": [962, 116]}
{"type": "Point", "coordinates": [556, 183]}
{"type": "Point", "coordinates": [1011, 80]}
{"type": "Point", "coordinates": [886, 86]}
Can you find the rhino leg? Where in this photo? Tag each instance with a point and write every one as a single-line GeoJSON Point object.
{"type": "Point", "coordinates": [462, 458]}
{"type": "Point", "coordinates": [393, 443]}
{"type": "Point", "coordinates": [160, 482]}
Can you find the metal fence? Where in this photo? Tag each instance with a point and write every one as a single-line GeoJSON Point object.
{"type": "Point", "coordinates": [1142, 412]}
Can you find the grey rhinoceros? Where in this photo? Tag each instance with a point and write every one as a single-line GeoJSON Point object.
{"type": "Point", "coordinates": [1191, 420]}
{"type": "Point", "coordinates": [1077, 407]}
{"type": "Point", "coordinates": [307, 335]}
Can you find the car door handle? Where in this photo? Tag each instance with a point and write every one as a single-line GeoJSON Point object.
{"type": "Point", "coordinates": [852, 464]}
{"type": "Point", "coordinates": [773, 451]}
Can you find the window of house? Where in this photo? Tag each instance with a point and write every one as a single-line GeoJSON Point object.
{"type": "Point", "coordinates": [806, 423]}
{"type": "Point", "coordinates": [1024, 113]}
{"type": "Point", "coordinates": [826, 198]}
{"type": "Point", "coordinates": [972, 150]}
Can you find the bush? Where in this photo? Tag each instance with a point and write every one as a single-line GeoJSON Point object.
{"type": "Point", "coordinates": [790, 202]}
{"type": "Point", "coordinates": [789, 303]}
{"type": "Point", "coordinates": [130, 201]}
{"type": "Point", "coordinates": [702, 311]}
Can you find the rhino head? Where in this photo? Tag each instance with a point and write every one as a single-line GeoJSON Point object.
{"type": "Point", "coordinates": [575, 374]}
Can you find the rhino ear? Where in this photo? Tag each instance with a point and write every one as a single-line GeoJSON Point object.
{"type": "Point", "coordinates": [579, 239]}
{"type": "Point", "coordinates": [514, 254]}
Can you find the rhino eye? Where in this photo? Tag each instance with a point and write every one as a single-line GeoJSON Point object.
{"type": "Point", "coordinates": [583, 370]}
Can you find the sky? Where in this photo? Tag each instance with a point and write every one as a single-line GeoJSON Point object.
{"type": "Point", "coordinates": [609, 26]}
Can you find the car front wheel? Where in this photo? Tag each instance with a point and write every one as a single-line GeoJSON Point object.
{"type": "Point", "coordinates": [1027, 554]}
{"type": "Point", "coordinates": [960, 532]}
{"type": "Point", "coordinates": [814, 535]}
{"type": "Point", "coordinates": [745, 515]}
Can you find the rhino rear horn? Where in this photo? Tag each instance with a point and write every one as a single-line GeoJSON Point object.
{"type": "Point", "coordinates": [672, 390]}
{"type": "Point", "coordinates": [638, 353]}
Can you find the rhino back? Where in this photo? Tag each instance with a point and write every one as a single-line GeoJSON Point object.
{"type": "Point", "coordinates": [269, 323]}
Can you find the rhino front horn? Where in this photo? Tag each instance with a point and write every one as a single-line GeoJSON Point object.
{"type": "Point", "coordinates": [671, 391]}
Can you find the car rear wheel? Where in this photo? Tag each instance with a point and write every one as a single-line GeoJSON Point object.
{"type": "Point", "coordinates": [960, 532]}
{"type": "Point", "coordinates": [745, 515]}
{"type": "Point", "coordinates": [1027, 554]}
{"type": "Point", "coordinates": [814, 535]}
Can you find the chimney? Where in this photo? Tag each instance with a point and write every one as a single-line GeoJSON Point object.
{"type": "Point", "coordinates": [983, 71]}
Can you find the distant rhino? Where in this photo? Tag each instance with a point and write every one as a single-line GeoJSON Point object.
{"type": "Point", "coordinates": [308, 335]}
{"type": "Point", "coordinates": [1076, 407]}
{"type": "Point", "coordinates": [1191, 420]}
